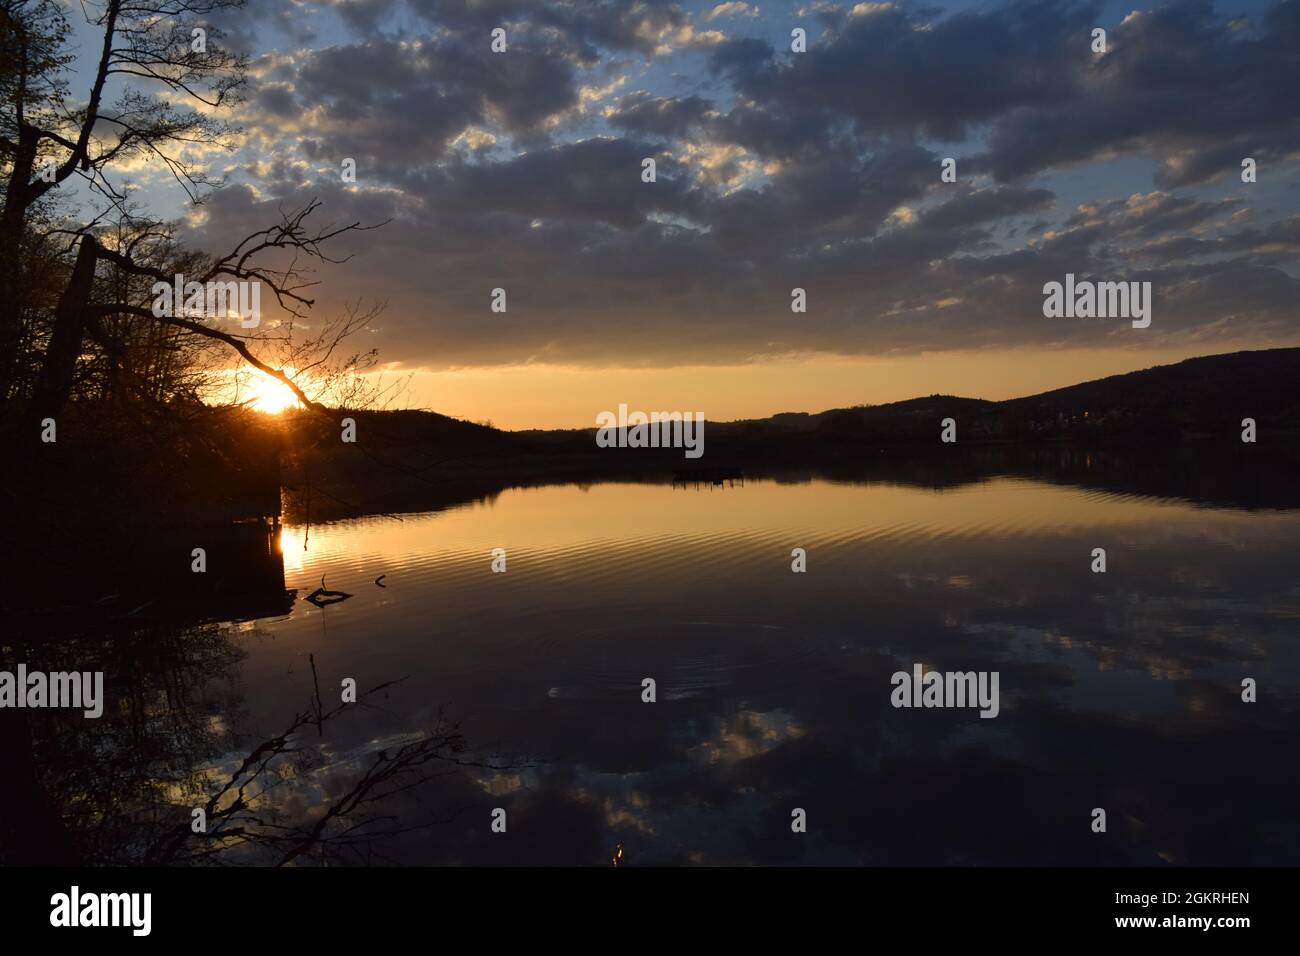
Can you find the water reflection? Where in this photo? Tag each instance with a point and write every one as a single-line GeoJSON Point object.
{"type": "Point", "coordinates": [1119, 690]}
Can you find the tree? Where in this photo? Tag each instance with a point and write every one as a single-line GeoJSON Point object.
{"type": "Point", "coordinates": [32, 61]}
{"type": "Point", "coordinates": [80, 311]}
{"type": "Point", "coordinates": [44, 142]}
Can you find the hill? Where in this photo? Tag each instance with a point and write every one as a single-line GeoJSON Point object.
{"type": "Point", "coordinates": [415, 459]}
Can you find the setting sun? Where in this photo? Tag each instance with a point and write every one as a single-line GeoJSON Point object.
{"type": "Point", "coordinates": [267, 394]}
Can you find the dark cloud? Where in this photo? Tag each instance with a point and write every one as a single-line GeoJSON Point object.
{"type": "Point", "coordinates": [660, 115]}
{"type": "Point", "coordinates": [1153, 214]}
{"type": "Point", "coordinates": [581, 27]}
{"type": "Point", "coordinates": [276, 100]}
{"type": "Point", "coordinates": [1194, 89]}
{"type": "Point", "coordinates": [596, 180]}
{"type": "Point", "coordinates": [365, 16]}
{"type": "Point", "coordinates": [775, 170]}
{"type": "Point", "coordinates": [981, 206]}
{"type": "Point", "coordinates": [900, 68]}
{"type": "Point", "coordinates": [1183, 84]}
{"type": "Point", "coordinates": [398, 103]}
{"type": "Point", "coordinates": [836, 198]}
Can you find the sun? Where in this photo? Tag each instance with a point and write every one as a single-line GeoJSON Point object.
{"type": "Point", "coordinates": [270, 395]}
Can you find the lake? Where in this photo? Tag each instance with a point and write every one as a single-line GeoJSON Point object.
{"type": "Point", "coordinates": [1119, 690]}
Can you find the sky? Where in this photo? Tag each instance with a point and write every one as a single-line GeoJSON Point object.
{"type": "Point", "coordinates": [821, 170]}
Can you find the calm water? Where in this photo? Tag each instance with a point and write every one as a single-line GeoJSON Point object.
{"type": "Point", "coordinates": [1118, 690]}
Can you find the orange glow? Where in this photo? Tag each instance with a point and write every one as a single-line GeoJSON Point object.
{"type": "Point", "coordinates": [267, 394]}
{"type": "Point", "coordinates": [559, 396]}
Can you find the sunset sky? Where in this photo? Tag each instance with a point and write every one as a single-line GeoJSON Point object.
{"type": "Point", "coordinates": [820, 170]}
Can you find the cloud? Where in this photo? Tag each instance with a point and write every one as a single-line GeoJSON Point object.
{"type": "Point", "coordinates": [906, 69]}
{"type": "Point", "coordinates": [732, 8]}
{"type": "Point", "coordinates": [1182, 85]}
{"type": "Point", "coordinates": [775, 170]}
{"type": "Point", "coordinates": [659, 115]}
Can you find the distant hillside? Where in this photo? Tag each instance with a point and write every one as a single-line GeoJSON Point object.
{"type": "Point", "coordinates": [897, 420]}
{"type": "Point", "coordinates": [404, 460]}
{"type": "Point", "coordinates": [1199, 396]}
